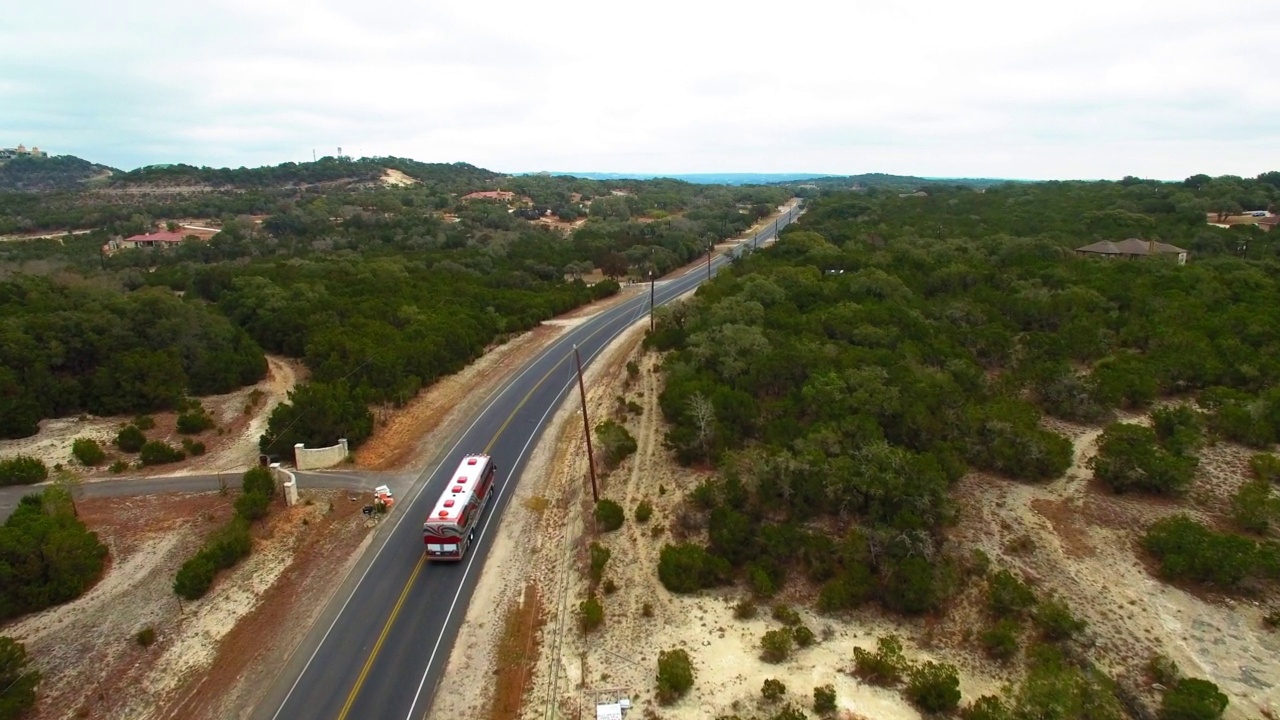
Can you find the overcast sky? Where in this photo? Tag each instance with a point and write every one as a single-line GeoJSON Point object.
{"type": "Point", "coordinates": [1022, 89]}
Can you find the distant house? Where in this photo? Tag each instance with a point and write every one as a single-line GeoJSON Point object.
{"type": "Point", "coordinates": [148, 240]}
{"type": "Point", "coordinates": [1132, 248]}
{"type": "Point", "coordinates": [20, 151]}
{"type": "Point", "coordinates": [502, 195]}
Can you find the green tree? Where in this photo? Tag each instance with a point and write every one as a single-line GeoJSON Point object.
{"type": "Point", "coordinates": [615, 442]}
{"type": "Point", "coordinates": [688, 567]}
{"type": "Point", "coordinates": [88, 452]}
{"type": "Point", "coordinates": [934, 687]}
{"type": "Point", "coordinates": [590, 614]}
{"type": "Point", "coordinates": [1193, 699]}
{"type": "Point", "coordinates": [609, 515]}
{"type": "Point", "coordinates": [1255, 507]}
{"type": "Point", "coordinates": [824, 699]}
{"type": "Point", "coordinates": [22, 470]}
{"type": "Point", "coordinates": [1129, 458]}
{"type": "Point", "coordinates": [18, 681]}
{"type": "Point", "coordinates": [130, 439]}
{"type": "Point", "coordinates": [159, 452]}
{"type": "Point", "coordinates": [675, 675]}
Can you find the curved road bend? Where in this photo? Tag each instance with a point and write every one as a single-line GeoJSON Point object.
{"type": "Point", "coordinates": [380, 645]}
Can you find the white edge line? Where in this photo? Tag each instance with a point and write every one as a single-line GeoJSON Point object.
{"type": "Point", "coordinates": [555, 405]}
{"type": "Point", "coordinates": [479, 416]}
{"type": "Point", "coordinates": [467, 570]}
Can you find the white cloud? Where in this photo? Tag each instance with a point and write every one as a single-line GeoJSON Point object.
{"type": "Point", "coordinates": [1089, 88]}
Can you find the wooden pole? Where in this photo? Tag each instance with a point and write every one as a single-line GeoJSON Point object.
{"type": "Point", "coordinates": [650, 299]}
{"type": "Point", "coordinates": [586, 428]}
{"type": "Point", "coordinates": [710, 249]}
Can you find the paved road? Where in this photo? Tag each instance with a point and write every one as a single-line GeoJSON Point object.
{"type": "Point", "coordinates": [381, 644]}
{"type": "Point", "coordinates": [126, 486]}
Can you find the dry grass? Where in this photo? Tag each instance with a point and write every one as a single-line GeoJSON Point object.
{"type": "Point", "coordinates": [517, 654]}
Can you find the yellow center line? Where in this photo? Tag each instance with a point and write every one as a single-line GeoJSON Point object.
{"type": "Point", "coordinates": [395, 611]}
{"type": "Point", "coordinates": [364, 672]}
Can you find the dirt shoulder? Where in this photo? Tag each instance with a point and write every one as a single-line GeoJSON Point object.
{"type": "Point", "coordinates": [205, 652]}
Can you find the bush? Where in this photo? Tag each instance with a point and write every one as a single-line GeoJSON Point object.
{"type": "Point", "coordinates": [146, 637]}
{"type": "Point", "coordinates": [773, 690]}
{"type": "Point", "coordinates": [194, 421]}
{"type": "Point", "coordinates": [633, 370]}
{"type": "Point", "coordinates": [1254, 507]}
{"type": "Point", "coordinates": [1129, 458]}
{"type": "Point", "coordinates": [1180, 428]}
{"type": "Point", "coordinates": [47, 555]}
{"type": "Point", "coordinates": [22, 470]}
{"type": "Point", "coordinates": [258, 480]}
{"type": "Point", "coordinates": [18, 680]}
{"type": "Point", "coordinates": [675, 675]}
{"type": "Point", "coordinates": [1163, 670]}
{"type": "Point", "coordinates": [885, 667]}
{"type": "Point", "coordinates": [599, 558]}
{"type": "Point", "coordinates": [609, 515]}
{"type": "Point", "coordinates": [824, 699]}
{"type": "Point", "coordinates": [1055, 620]}
{"type": "Point", "coordinates": [1188, 550]}
{"type": "Point", "coordinates": [1265, 466]}
{"type": "Point", "coordinates": [195, 577]}
{"type": "Point", "coordinates": [1001, 639]}
{"type": "Point", "coordinates": [804, 637]}
{"type": "Point", "coordinates": [616, 443]}
{"type": "Point", "coordinates": [987, 707]}
{"type": "Point", "coordinates": [159, 452]}
{"type": "Point", "coordinates": [688, 567]}
{"type": "Point", "coordinates": [934, 687]}
{"type": "Point", "coordinates": [144, 422]}
{"type": "Point", "coordinates": [760, 581]}
{"type": "Point", "coordinates": [775, 646]}
{"type": "Point", "coordinates": [745, 609]}
{"type": "Point", "coordinates": [785, 615]}
{"type": "Point", "coordinates": [226, 547]}
{"type": "Point", "coordinates": [646, 610]}
{"type": "Point", "coordinates": [609, 587]}
{"type": "Point", "coordinates": [130, 439]}
{"type": "Point", "coordinates": [88, 452]}
{"type": "Point", "coordinates": [1193, 699]}
{"type": "Point", "coordinates": [590, 614]}
{"type": "Point", "coordinates": [194, 448]}
{"type": "Point", "coordinates": [644, 511]}
{"type": "Point", "coordinates": [1007, 596]}
{"type": "Point", "coordinates": [119, 466]}
{"type": "Point", "coordinates": [252, 506]}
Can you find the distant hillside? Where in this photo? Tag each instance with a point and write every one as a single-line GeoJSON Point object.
{"type": "Point", "coordinates": [38, 174]}
{"type": "Point", "coordinates": [883, 180]}
{"type": "Point", "coordinates": [699, 178]}
{"type": "Point", "coordinates": [327, 170]}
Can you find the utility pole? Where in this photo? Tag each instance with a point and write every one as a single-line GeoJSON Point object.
{"type": "Point", "coordinates": [586, 428]}
{"type": "Point", "coordinates": [650, 299]}
{"type": "Point", "coordinates": [711, 248]}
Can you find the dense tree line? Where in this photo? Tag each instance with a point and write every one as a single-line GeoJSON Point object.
{"type": "Point", "coordinates": [326, 169]}
{"type": "Point", "coordinates": [849, 374]}
{"type": "Point", "coordinates": [47, 555]}
{"type": "Point", "coordinates": [60, 172]}
{"type": "Point", "coordinates": [73, 347]}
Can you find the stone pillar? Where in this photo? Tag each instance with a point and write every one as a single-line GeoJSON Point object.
{"type": "Point", "coordinates": [297, 454]}
{"type": "Point", "coordinates": [345, 451]}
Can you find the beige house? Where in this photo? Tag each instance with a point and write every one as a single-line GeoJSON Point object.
{"type": "Point", "coordinates": [1132, 248]}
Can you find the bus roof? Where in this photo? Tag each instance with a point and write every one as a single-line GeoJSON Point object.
{"type": "Point", "coordinates": [458, 493]}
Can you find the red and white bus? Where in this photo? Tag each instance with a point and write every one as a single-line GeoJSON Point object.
{"type": "Point", "coordinates": [451, 527]}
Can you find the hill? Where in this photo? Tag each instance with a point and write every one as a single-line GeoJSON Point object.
{"type": "Point", "coordinates": [61, 172]}
{"type": "Point", "coordinates": [884, 180]}
{"type": "Point", "coordinates": [326, 170]}
{"type": "Point", "coordinates": [699, 178]}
